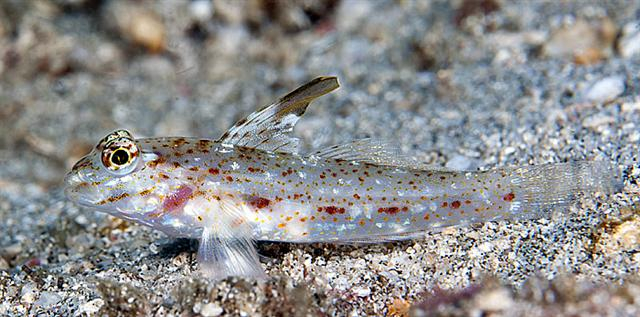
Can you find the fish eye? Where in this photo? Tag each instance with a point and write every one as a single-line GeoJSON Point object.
{"type": "Point", "coordinates": [120, 157]}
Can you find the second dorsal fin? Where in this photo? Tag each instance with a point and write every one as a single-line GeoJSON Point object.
{"type": "Point", "coordinates": [379, 152]}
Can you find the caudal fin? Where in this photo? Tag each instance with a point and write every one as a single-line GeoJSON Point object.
{"type": "Point", "coordinates": [544, 188]}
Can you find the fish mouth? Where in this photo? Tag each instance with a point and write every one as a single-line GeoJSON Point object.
{"type": "Point", "coordinates": [78, 190]}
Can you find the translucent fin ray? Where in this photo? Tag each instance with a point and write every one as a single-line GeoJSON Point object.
{"type": "Point", "coordinates": [222, 257]}
{"type": "Point", "coordinates": [545, 188]}
{"type": "Point", "coordinates": [227, 247]}
{"type": "Point", "coordinates": [379, 152]}
{"type": "Point", "coordinates": [269, 128]}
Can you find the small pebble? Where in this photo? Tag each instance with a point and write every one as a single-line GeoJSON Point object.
{"type": "Point", "coordinates": [606, 89]}
{"type": "Point", "coordinates": [508, 150]}
{"type": "Point", "coordinates": [362, 291]}
{"type": "Point", "coordinates": [12, 250]}
{"type": "Point", "coordinates": [138, 24]}
{"type": "Point", "coordinates": [584, 42]}
{"type": "Point", "coordinates": [485, 247]}
{"type": "Point", "coordinates": [211, 310]}
{"type": "Point", "coordinates": [91, 307]}
{"type": "Point", "coordinates": [29, 293]}
{"type": "Point", "coordinates": [631, 106]}
{"type": "Point", "coordinates": [82, 220]}
{"type": "Point", "coordinates": [154, 248]}
{"type": "Point", "coordinates": [48, 299]}
{"type": "Point", "coordinates": [629, 43]}
{"type": "Point", "coordinates": [351, 13]}
{"type": "Point", "coordinates": [459, 163]}
{"type": "Point", "coordinates": [202, 10]}
{"type": "Point", "coordinates": [625, 237]}
{"type": "Point", "coordinates": [399, 307]}
{"type": "Point", "coordinates": [495, 300]}
{"type": "Point", "coordinates": [4, 265]}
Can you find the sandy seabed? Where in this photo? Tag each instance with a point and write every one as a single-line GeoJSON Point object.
{"type": "Point", "coordinates": [462, 84]}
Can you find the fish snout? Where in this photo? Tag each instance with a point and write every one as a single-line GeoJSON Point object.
{"type": "Point", "coordinates": [78, 189]}
{"type": "Point", "coordinates": [72, 184]}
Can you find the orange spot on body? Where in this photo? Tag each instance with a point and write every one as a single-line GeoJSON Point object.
{"type": "Point", "coordinates": [159, 161]}
{"type": "Point", "coordinates": [259, 202]}
{"type": "Point", "coordinates": [214, 171]}
{"type": "Point", "coordinates": [389, 210]}
{"type": "Point", "coordinates": [332, 210]}
{"type": "Point", "coordinates": [509, 196]}
{"type": "Point", "coordinates": [456, 204]}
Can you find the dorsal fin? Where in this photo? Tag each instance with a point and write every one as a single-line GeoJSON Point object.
{"type": "Point", "coordinates": [379, 152]}
{"type": "Point", "coordinates": [269, 128]}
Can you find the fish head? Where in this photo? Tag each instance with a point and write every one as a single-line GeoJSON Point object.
{"type": "Point", "coordinates": [111, 177]}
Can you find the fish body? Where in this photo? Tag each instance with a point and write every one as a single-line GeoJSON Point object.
{"type": "Point", "coordinates": [252, 184]}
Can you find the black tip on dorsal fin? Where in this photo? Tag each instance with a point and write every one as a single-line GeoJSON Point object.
{"type": "Point", "coordinates": [313, 89]}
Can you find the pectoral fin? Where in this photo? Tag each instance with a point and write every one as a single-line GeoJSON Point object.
{"type": "Point", "coordinates": [227, 247]}
{"type": "Point", "coordinates": [220, 257]}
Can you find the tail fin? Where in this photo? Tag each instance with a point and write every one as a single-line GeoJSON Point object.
{"type": "Point", "coordinates": [544, 188]}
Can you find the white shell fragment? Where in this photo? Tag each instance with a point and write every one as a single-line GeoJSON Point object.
{"type": "Point", "coordinates": [629, 43]}
{"type": "Point", "coordinates": [605, 90]}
